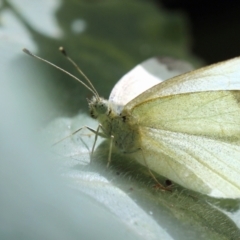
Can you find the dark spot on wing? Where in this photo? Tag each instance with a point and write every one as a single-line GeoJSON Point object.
{"type": "Point", "coordinates": [236, 95]}
{"type": "Point", "coordinates": [124, 118]}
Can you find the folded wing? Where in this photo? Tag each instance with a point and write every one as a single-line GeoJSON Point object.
{"type": "Point", "coordinates": [206, 165]}
{"type": "Point", "coordinates": [144, 76]}
{"type": "Point", "coordinates": [220, 76]}
{"type": "Point", "coordinates": [212, 114]}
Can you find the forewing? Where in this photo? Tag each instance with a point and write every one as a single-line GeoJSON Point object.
{"type": "Point", "coordinates": [144, 76]}
{"type": "Point", "coordinates": [205, 165]}
{"type": "Point", "coordinates": [212, 114]}
{"type": "Point", "coordinates": [220, 76]}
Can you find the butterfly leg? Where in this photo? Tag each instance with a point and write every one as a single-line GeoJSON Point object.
{"type": "Point", "coordinates": [78, 130]}
{"type": "Point", "coordinates": [97, 133]}
{"type": "Point", "coordinates": [110, 151]}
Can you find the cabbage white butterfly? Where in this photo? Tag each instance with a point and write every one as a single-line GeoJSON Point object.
{"type": "Point", "coordinates": [186, 128]}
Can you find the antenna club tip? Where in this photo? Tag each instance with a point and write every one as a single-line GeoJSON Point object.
{"type": "Point", "coordinates": [27, 52]}
{"type": "Point", "coordinates": [63, 51]}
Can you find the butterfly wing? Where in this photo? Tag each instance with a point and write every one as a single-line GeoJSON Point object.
{"type": "Point", "coordinates": [190, 128]}
{"type": "Point", "coordinates": [144, 76]}
{"type": "Point", "coordinates": [220, 76]}
{"type": "Point", "coordinates": [212, 114]}
{"type": "Point", "coordinates": [209, 166]}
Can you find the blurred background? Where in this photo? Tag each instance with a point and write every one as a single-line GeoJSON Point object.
{"type": "Point", "coordinates": [49, 195]}
{"type": "Point", "coordinates": [212, 24]}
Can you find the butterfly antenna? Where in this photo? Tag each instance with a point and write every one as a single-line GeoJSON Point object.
{"type": "Point", "coordinates": [63, 51]}
{"type": "Point", "coordinates": [91, 88]}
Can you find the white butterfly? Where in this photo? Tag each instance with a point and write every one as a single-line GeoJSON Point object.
{"type": "Point", "coordinates": [186, 128]}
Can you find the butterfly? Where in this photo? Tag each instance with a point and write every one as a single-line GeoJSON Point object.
{"type": "Point", "coordinates": [180, 123]}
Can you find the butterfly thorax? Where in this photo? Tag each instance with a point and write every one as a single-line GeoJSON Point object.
{"type": "Point", "coordinates": [122, 128]}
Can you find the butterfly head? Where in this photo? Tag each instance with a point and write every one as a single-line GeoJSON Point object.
{"type": "Point", "coordinates": [98, 106]}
